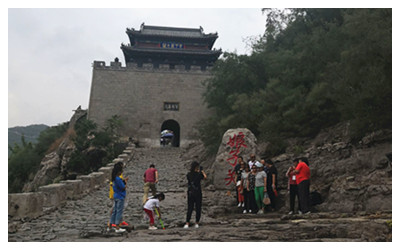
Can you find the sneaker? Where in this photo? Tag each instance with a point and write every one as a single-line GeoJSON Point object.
{"type": "Point", "coordinates": [300, 212]}
{"type": "Point", "coordinates": [124, 224]}
{"type": "Point", "coordinates": [152, 227]}
{"type": "Point", "coordinates": [244, 211]}
{"type": "Point", "coordinates": [243, 204]}
{"type": "Point", "coordinates": [240, 204]}
{"type": "Point", "coordinates": [250, 211]}
{"type": "Point", "coordinates": [260, 211]}
{"type": "Point", "coordinates": [120, 230]}
{"type": "Point", "coordinates": [291, 212]}
{"type": "Point", "coordinates": [309, 212]}
{"type": "Point", "coordinates": [196, 225]}
{"type": "Point", "coordinates": [110, 229]}
{"type": "Point", "coordinates": [186, 226]}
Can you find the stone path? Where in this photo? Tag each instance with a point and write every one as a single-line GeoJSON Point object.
{"type": "Point", "coordinates": [85, 219]}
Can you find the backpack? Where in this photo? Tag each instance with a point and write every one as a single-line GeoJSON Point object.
{"type": "Point", "coordinates": [111, 193]}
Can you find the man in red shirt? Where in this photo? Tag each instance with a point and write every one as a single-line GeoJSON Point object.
{"type": "Point", "coordinates": [150, 179]}
{"type": "Point", "coordinates": [303, 175]}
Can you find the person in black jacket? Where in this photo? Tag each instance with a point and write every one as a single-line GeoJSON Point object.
{"type": "Point", "coordinates": [194, 194]}
{"type": "Point", "coordinates": [272, 182]}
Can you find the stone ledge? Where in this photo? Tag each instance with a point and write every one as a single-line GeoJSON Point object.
{"type": "Point", "coordinates": [52, 196]}
{"type": "Point", "coordinates": [25, 205]}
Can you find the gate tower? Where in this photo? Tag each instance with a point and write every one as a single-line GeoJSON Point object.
{"type": "Point", "coordinates": [160, 87]}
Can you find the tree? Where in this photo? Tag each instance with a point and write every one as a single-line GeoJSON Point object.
{"type": "Point", "coordinates": [311, 69]}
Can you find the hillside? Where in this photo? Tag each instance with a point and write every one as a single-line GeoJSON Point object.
{"type": "Point", "coordinates": [30, 132]}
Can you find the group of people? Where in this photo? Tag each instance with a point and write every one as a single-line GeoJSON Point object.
{"type": "Point", "coordinates": [151, 205]}
{"type": "Point", "coordinates": [256, 187]}
{"type": "Point", "coordinates": [257, 182]}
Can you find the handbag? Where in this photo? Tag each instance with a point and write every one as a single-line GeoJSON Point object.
{"type": "Point", "coordinates": [266, 199]}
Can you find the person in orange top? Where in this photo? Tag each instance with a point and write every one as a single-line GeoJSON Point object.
{"type": "Point", "coordinates": [303, 175]}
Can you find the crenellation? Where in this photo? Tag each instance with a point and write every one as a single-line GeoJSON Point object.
{"type": "Point", "coordinates": [149, 67]}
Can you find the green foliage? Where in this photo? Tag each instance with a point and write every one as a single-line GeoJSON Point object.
{"type": "Point", "coordinates": [31, 133]}
{"type": "Point", "coordinates": [312, 69]}
{"type": "Point", "coordinates": [25, 158]}
{"type": "Point", "coordinates": [83, 160]}
{"type": "Point", "coordinates": [48, 136]}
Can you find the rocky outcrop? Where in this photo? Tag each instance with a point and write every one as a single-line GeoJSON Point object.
{"type": "Point", "coordinates": [53, 164]}
{"type": "Point", "coordinates": [235, 142]}
{"type": "Point", "coordinates": [350, 177]}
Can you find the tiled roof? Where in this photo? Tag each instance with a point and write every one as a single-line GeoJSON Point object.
{"type": "Point", "coordinates": [170, 31]}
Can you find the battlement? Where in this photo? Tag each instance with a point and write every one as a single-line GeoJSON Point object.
{"type": "Point", "coordinates": [116, 65]}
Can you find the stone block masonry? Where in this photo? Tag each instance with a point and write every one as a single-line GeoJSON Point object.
{"type": "Point", "coordinates": [50, 197]}
{"type": "Point", "coordinates": [141, 97]}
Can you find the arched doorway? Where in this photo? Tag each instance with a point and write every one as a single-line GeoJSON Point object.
{"type": "Point", "coordinates": [175, 128]}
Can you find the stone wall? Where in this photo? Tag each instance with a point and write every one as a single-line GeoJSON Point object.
{"type": "Point", "coordinates": [137, 95]}
{"type": "Point", "coordinates": [50, 197]}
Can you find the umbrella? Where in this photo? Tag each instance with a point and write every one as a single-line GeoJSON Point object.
{"type": "Point", "coordinates": [167, 135]}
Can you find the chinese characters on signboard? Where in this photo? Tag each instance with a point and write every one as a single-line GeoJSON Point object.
{"type": "Point", "coordinates": [170, 45]}
{"type": "Point", "coordinates": [235, 143]}
{"type": "Point", "coordinates": [171, 106]}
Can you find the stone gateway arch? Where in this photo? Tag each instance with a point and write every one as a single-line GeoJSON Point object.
{"type": "Point", "coordinates": [160, 87]}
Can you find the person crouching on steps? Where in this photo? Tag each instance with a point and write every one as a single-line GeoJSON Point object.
{"type": "Point", "coordinates": [152, 204]}
{"type": "Point", "coordinates": [119, 187]}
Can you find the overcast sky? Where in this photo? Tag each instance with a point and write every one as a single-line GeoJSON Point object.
{"type": "Point", "coordinates": [51, 51]}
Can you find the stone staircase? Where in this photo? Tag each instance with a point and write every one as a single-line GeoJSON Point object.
{"type": "Point", "coordinates": [85, 219]}
{"type": "Point", "coordinates": [89, 214]}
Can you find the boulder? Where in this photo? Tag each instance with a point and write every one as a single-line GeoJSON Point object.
{"type": "Point", "coordinates": [49, 170]}
{"type": "Point", "coordinates": [235, 142]}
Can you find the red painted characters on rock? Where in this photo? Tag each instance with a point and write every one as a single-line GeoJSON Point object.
{"type": "Point", "coordinates": [236, 143]}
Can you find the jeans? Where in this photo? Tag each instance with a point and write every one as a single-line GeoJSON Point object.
{"type": "Point", "coordinates": [116, 215]}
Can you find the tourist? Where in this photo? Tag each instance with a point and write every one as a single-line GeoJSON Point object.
{"type": "Point", "coordinates": [260, 186]}
{"type": "Point", "coordinates": [194, 193]}
{"type": "Point", "coordinates": [251, 185]}
{"type": "Point", "coordinates": [252, 161]}
{"type": "Point", "coordinates": [239, 186]}
{"type": "Point", "coordinates": [303, 175]}
{"type": "Point", "coordinates": [237, 176]}
{"type": "Point", "coordinates": [119, 188]}
{"type": "Point", "coordinates": [153, 204]}
{"type": "Point", "coordinates": [150, 179]}
{"type": "Point", "coordinates": [292, 186]}
{"type": "Point", "coordinates": [272, 177]}
{"type": "Point", "coordinates": [244, 189]}
{"type": "Point", "coordinates": [111, 196]}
